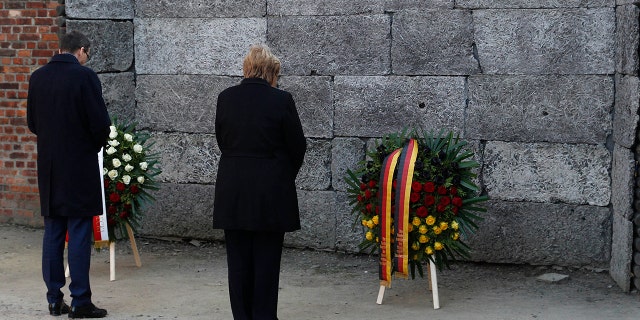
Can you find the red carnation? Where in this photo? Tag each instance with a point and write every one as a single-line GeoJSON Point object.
{"type": "Point", "coordinates": [429, 187]}
{"type": "Point", "coordinates": [429, 200]}
{"type": "Point", "coordinates": [455, 210]}
{"type": "Point", "coordinates": [441, 208]}
{"type": "Point", "coordinates": [367, 194]}
{"type": "Point", "coordinates": [134, 189]}
{"type": "Point", "coordinates": [369, 207]}
{"type": "Point", "coordinates": [120, 186]}
{"type": "Point", "coordinates": [457, 201]}
{"type": "Point", "coordinates": [422, 212]}
{"type": "Point", "coordinates": [416, 186]}
{"type": "Point", "coordinates": [442, 190]}
{"type": "Point", "coordinates": [360, 198]}
{"type": "Point", "coordinates": [363, 186]}
{"type": "Point", "coordinates": [114, 197]}
{"type": "Point", "coordinates": [414, 197]}
{"type": "Point", "coordinates": [453, 190]}
{"type": "Point", "coordinates": [372, 184]}
{"type": "Point", "coordinates": [445, 201]}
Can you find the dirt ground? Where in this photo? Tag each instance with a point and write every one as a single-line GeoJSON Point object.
{"type": "Point", "coordinates": [182, 280]}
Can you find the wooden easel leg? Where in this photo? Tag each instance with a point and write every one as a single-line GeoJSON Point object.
{"type": "Point", "coordinates": [434, 285]}
{"type": "Point", "coordinates": [380, 295]}
{"type": "Point", "coordinates": [112, 261]}
{"type": "Point", "coordinates": [134, 247]}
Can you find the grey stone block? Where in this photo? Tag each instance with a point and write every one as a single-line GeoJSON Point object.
{"type": "Point", "coordinates": [433, 42]}
{"type": "Point", "coordinates": [200, 8]}
{"type": "Point", "coordinates": [535, 4]}
{"type": "Point", "coordinates": [99, 9]}
{"type": "Point", "coordinates": [397, 5]}
{"type": "Point", "coordinates": [317, 219]}
{"type": "Point", "coordinates": [315, 173]}
{"type": "Point", "coordinates": [554, 108]}
{"type": "Point", "coordinates": [627, 39]}
{"type": "Point", "coordinates": [559, 41]}
{"type": "Point", "coordinates": [323, 7]}
{"type": "Point", "coordinates": [622, 241]}
{"type": "Point", "coordinates": [375, 106]}
{"type": "Point", "coordinates": [185, 103]}
{"type": "Point", "coordinates": [118, 93]}
{"type": "Point", "coordinates": [187, 158]}
{"type": "Point", "coordinates": [545, 172]}
{"type": "Point", "coordinates": [195, 46]}
{"type": "Point", "coordinates": [314, 101]}
{"type": "Point", "coordinates": [625, 119]}
{"type": "Point", "coordinates": [111, 43]}
{"type": "Point", "coordinates": [542, 234]}
{"type": "Point", "coordinates": [181, 210]}
{"type": "Point", "coordinates": [622, 181]}
{"type": "Point", "coordinates": [349, 230]}
{"type": "Point", "coordinates": [346, 153]}
{"type": "Point", "coordinates": [331, 45]}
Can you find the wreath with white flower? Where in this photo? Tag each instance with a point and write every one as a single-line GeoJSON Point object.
{"type": "Point", "coordinates": [129, 174]}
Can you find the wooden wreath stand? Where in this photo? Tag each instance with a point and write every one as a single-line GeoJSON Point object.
{"type": "Point", "coordinates": [112, 255]}
{"type": "Point", "coordinates": [433, 286]}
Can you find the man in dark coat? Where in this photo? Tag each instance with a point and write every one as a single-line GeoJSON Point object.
{"type": "Point", "coordinates": [260, 135]}
{"type": "Point", "coordinates": [65, 109]}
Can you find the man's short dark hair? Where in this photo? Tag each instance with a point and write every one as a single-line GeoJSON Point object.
{"type": "Point", "coordinates": [74, 40]}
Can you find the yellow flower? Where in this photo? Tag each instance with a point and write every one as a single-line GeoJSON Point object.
{"type": "Point", "coordinates": [415, 246]}
{"type": "Point", "coordinates": [454, 225]}
{"type": "Point", "coordinates": [431, 220]}
{"type": "Point", "coordinates": [423, 229]}
{"type": "Point", "coordinates": [415, 257]}
{"type": "Point", "coordinates": [416, 221]}
{"type": "Point", "coordinates": [437, 230]}
{"type": "Point", "coordinates": [364, 222]}
{"type": "Point", "coordinates": [438, 246]}
{"type": "Point", "coordinates": [377, 239]}
{"type": "Point", "coordinates": [369, 235]}
{"type": "Point", "coordinates": [444, 225]}
{"type": "Point", "coordinates": [428, 250]}
{"type": "Point", "coordinates": [455, 236]}
{"type": "Point", "coordinates": [423, 239]}
{"type": "Point", "coordinates": [370, 224]}
{"type": "Point", "coordinates": [375, 220]}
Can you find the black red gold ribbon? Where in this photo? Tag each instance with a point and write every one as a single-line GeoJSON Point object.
{"type": "Point", "coordinates": [385, 192]}
{"type": "Point", "coordinates": [401, 216]}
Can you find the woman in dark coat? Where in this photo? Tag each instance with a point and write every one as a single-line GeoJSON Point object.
{"type": "Point", "coordinates": [259, 133]}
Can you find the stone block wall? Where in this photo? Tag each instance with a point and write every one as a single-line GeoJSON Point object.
{"type": "Point", "coordinates": [546, 91]}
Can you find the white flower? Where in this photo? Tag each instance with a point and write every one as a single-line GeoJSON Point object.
{"type": "Point", "coordinates": [128, 137]}
{"type": "Point", "coordinates": [116, 163]}
{"type": "Point", "coordinates": [143, 165]}
{"type": "Point", "coordinates": [126, 157]}
{"type": "Point", "coordinates": [104, 171]}
{"type": "Point", "coordinates": [140, 179]}
{"type": "Point", "coordinates": [114, 143]}
{"type": "Point", "coordinates": [137, 148]}
{"type": "Point", "coordinates": [111, 150]}
{"type": "Point", "coordinates": [112, 174]}
{"type": "Point", "coordinates": [126, 179]}
{"type": "Point", "coordinates": [128, 167]}
{"type": "Point", "coordinates": [113, 132]}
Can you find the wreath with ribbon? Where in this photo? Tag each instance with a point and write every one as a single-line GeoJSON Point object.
{"type": "Point", "coordinates": [415, 196]}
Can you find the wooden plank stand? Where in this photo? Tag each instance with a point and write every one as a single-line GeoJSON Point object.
{"type": "Point", "coordinates": [433, 286]}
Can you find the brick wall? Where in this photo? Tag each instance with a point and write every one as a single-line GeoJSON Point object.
{"type": "Point", "coordinates": [28, 39]}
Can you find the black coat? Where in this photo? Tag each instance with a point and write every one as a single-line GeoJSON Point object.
{"type": "Point", "coordinates": [259, 133]}
{"type": "Point", "coordinates": [65, 109]}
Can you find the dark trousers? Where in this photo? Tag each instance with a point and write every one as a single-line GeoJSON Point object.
{"type": "Point", "coordinates": [253, 259]}
{"type": "Point", "coordinates": [79, 257]}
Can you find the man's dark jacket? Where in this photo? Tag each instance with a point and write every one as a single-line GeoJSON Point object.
{"type": "Point", "coordinates": [65, 109]}
{"type": "Point", "coordinates": [260, 135]}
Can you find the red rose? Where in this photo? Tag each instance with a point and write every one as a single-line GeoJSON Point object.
{"type": "Point", "coordinates": [441, 208]}
{"type": "Point", "coordinates": [112, 210]}
{"type": "Point", "coordinates": [429, 187]}
{"type": "Point", "coordinates": [455, 210]}
{"type": "Point", "coordinates": [457, 201]}
{"type": "Point", "coordinates": [114, 197]}
{"type": "Point", "coordinates": [369, 207]}
{"type": "Point", "coordinates": [360, 198]}
{"type": "Point", "coordinates": [372, 184]}
{"type": "Point", "coordinates": [453, 190]}
{"type": "Point", "coordinates": [134, 189]}
{"type": "Point", "coordinates": [120, 186]}
{"type": "Point", "coordinates": [429, 200]}
{"type": "Point", "coordinates": [442, 190]}
{"type": "Point", "coordinates": [414, 197]}
{"type": "Point", "coordinates": [363, 186]}
{"type": "Point", "coordinates": [422, 212]}
{"type": "Point", "coordinates": [445, 201]}
{"type": "Point", "coordinates": [367, 194]}
{"type": "Point", "coordinates": [416, 186]}
{"type": "Point", "coordinates": [124, 215]}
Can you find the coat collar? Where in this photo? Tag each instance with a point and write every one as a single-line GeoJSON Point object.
{"type": "Point", "coordinates": [255, 81]}
{"type": "Point", "coordinates": [65, 57]}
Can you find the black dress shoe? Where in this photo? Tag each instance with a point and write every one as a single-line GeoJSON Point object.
{"type": "Point", "coordinates": [58, 308]}
{"type": "Point", "coordinates": [87, 311]}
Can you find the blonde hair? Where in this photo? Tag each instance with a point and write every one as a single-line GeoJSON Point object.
{"type": "Point", "coordinates": [261, 63]}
